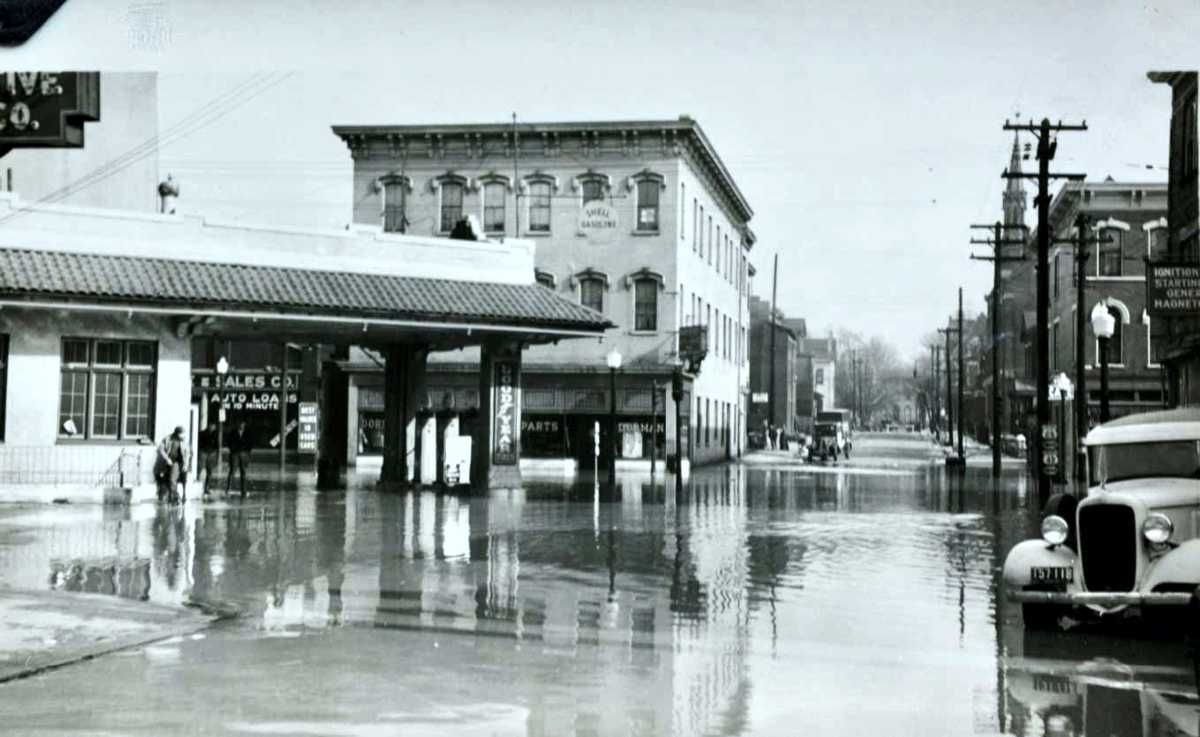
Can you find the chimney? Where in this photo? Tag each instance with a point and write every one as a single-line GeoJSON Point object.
{"type": "Point", "coordinates": [168, 192]}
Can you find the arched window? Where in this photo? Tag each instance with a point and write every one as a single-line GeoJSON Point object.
{"type": "Point", "coordinates": [645, 304]}
{"type": "Point", "coordinates": [591, 293]}
{"type": "Point", "coordinates": [539, 207]}
{"type": "Point", "coordinates": [451, 205]}
{"type": "Point", "coordinates": [593, 189]}
{"type": "Point", "coordinates": [494, 202]}
{"type": "Point", "coordinates": [395, 196]}
{"type": "Point", "coordinates": [1109, 263]}
{"type": "Point", "coordinates": [647, 204]}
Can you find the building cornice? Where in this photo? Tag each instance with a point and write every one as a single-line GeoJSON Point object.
{"type": "Point", "coordinates": [550, 140]}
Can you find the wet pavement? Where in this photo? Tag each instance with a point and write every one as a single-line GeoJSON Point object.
{"type": "Point", "coordinates": [771, 599]}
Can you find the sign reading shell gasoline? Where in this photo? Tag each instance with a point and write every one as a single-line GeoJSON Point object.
{"type": "Point", "coordinates": [598, 220]}
{"type": "Point", "coordinates": [47, 109]}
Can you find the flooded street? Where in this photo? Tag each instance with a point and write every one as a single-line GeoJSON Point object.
{"type": "Point", "coordinates": [770, 599]}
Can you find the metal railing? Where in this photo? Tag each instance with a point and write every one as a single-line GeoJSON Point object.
{"type": "Point", "coordinates": [58, 464]}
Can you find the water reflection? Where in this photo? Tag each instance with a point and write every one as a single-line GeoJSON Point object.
{"type": "Point", "coordinates": [760, 601]}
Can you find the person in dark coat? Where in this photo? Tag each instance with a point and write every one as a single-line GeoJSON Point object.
{"type": "Point", "coordinates": [240, 444]}
{"type": "Point", "coordinates": [171, 464]}
{"type": "Point", "coordinates": [209, 454]}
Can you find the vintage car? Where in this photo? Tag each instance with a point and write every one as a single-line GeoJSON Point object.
{"type": "Point", "coordinates": [1130, 545]}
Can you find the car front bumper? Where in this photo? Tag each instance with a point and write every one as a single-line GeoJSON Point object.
{"type": "Point", "coordinates": [1103, 599]}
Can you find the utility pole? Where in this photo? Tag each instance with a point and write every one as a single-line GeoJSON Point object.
{"type": "Point", "coordinates": [997, 258]}
{"type": "Point", "coordinates": [961, 373]}
{"type": "Point", "coordinates": [771, 327]}
{"type": "Point", "coordinates": [516, 176]}
{"type": "Point", "coordinates": [1047, 146]}
{"type": "Point", "coordinates": [949, 389]}
{"type": "Point", "coordinates": [933, 388]}
{"type": "Point", "coordinates": [1081, 244]}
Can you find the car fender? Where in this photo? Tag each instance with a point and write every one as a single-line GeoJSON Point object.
{"type": "Point", "coordinates": [1181, 565]}
{"type": "Point", "coordinates": [1033, 553]}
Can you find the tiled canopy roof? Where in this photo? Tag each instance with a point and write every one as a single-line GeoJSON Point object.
{"type": "Point", "coordinates": [204, 285]}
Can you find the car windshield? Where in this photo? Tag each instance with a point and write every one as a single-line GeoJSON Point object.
{"type": "Point", "coordinates": [1179, 458]}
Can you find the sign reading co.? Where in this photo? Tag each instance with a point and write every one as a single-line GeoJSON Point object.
{"type": "Point", "coordinates": [1172, 288]}
{"type": "Point", "coordinates": [47, 109]}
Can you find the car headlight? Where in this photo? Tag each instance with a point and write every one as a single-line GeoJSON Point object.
{"type": "Point", "coordinates": [1054, 530]}
{"type": "Point", "coordinates": [1157, 528]}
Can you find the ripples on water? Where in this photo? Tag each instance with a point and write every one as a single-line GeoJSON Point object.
{"type": "Point", "coordinates": [753, 604]}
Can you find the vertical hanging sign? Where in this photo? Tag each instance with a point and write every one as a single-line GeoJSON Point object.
{"type": "Point", "coordinates": [504, 451]}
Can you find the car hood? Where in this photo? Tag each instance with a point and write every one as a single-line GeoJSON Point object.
{"type": "Point", "coordinates": [1153, 492]}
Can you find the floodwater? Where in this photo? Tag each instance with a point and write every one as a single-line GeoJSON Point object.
{"type": "Point", "coordinates": [765, 601]}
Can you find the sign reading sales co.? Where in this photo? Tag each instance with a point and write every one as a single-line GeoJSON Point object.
{"type": "Point", "coordinates": [1172, 288]}
{"type": "Point", "coordinates": [504, 451]}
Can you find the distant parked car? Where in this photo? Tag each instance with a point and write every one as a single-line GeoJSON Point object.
{"type": "Point", "coordinates": [1132, 544]}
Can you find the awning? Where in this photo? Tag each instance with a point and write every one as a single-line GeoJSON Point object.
{"type": "Point", "coordinates": [196, 287]}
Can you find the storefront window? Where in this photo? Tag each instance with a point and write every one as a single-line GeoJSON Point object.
{"type": "Point", "coordinates": [107, 389]}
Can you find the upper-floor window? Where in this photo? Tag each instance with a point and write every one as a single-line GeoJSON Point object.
{"type": "Point", "coordinates": [452, 205]}
{"type": "Point", "coordinates": [591, 293]}
{"type": "Point", "coordinates": [494, 201]}
{"type": "Point", "coordinates": [645, 304]}
{"type": "Point", "coordinates": [695, 225]}
{"type": "Point", "coordinates": [539, 207]}
{"type": "Point", "coordinates": [710, 239]}
{"type": "Point", "coordinates": [682, 204]}
{"type": "Point", "coordinates": [647, 204]}
{"type": "Point", "coordinates": [820, 376]}
{"type": "Point", "coordinates": [593, 189]}
{"type": "Point", "coordinates": [1109, 263]}
{"type": "Point", "coordinates": [107, 389]}
{"type": "Point", "coordinates": [395, 193]}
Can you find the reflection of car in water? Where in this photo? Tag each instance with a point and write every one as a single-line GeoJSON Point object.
{"type": "Point", "coordinates": [1073, 687]}
{"type": "Point", "coordinates": [831, 434]}
{"type": "Point", "coordinates": [1132, 545]}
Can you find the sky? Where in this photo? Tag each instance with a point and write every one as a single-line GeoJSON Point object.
{"type": "Point", "coordinates": [867, 136]}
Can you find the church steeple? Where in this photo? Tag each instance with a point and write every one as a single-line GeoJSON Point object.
{"type": "Point", "coordinates": [1014, 193]}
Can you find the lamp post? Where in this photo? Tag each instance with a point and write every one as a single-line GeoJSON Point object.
{"type": "Point", "coordinates": [614, 364]}
{"type": "Point", "coordinates": [1062, 388]}
{"type": "Point", "coordinates": [1103, 325]}
{"type": "Point", "coordinates": [222, 369]}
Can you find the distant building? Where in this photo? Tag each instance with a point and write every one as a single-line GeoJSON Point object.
{"type": "Point", "coordinates": [1177, 339]}
{"type": "Point", "coordinates": [773, 392]}
{"type": "Point", "coordinates": [823, 354]}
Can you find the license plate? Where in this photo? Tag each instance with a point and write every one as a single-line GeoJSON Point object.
{"type": "Point", "coordinates": [1052, 574]}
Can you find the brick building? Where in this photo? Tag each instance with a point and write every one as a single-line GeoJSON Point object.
{"type": "Point", "coordinates": [773, 392]}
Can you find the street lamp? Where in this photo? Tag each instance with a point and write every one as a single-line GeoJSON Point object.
{"type": "Point", "coordinates": [222, 369]}
{"type": "Point", "coordinates": [1103, 325]}
{"type": "Point", "coordinates": [1061, 389]}
{"type": "Point", "coordinates": [614, 363]}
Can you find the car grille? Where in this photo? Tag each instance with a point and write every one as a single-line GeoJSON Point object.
{"type": "Point", "coordinates": [1108, 547]}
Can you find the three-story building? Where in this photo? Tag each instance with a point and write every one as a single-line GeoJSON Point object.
{"type": "Point", "coordinates": [640, 221]}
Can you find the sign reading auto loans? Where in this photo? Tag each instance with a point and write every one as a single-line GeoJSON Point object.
{"type": "Point", "coordinates": [1172, 288]}
{"type": "Point", "coordinates": [47, 109]}
{"type": "Point", "coordinates": [598, 220]}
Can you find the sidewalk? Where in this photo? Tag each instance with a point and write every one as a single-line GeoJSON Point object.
{"type": "Point", "coordinates": [40, 630]}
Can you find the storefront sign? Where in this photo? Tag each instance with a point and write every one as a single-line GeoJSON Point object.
{"type": "Point", "coordinates": [1172, 288]}
{"type": "Point", "coordinates": [639, 427]}
{"type": "Point", "coordinates": [759, 397]}
{"type": "Point", "coordinates": [47, 109]}
{"type": "Point", "coordinates": [242, 381]}
{"type": "Point", "coordinates": [308, 427]}
{"type": "Point", "coordinates": [252, 401]}
{"type": "Point", "coordinates": [1050, 455]}
{"type": "Point", "coordinates": [631, 444]}
{"type": "Point", "coordinates": [274, 441]}
{"type": "Point", "coordinates": [504, 452]}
